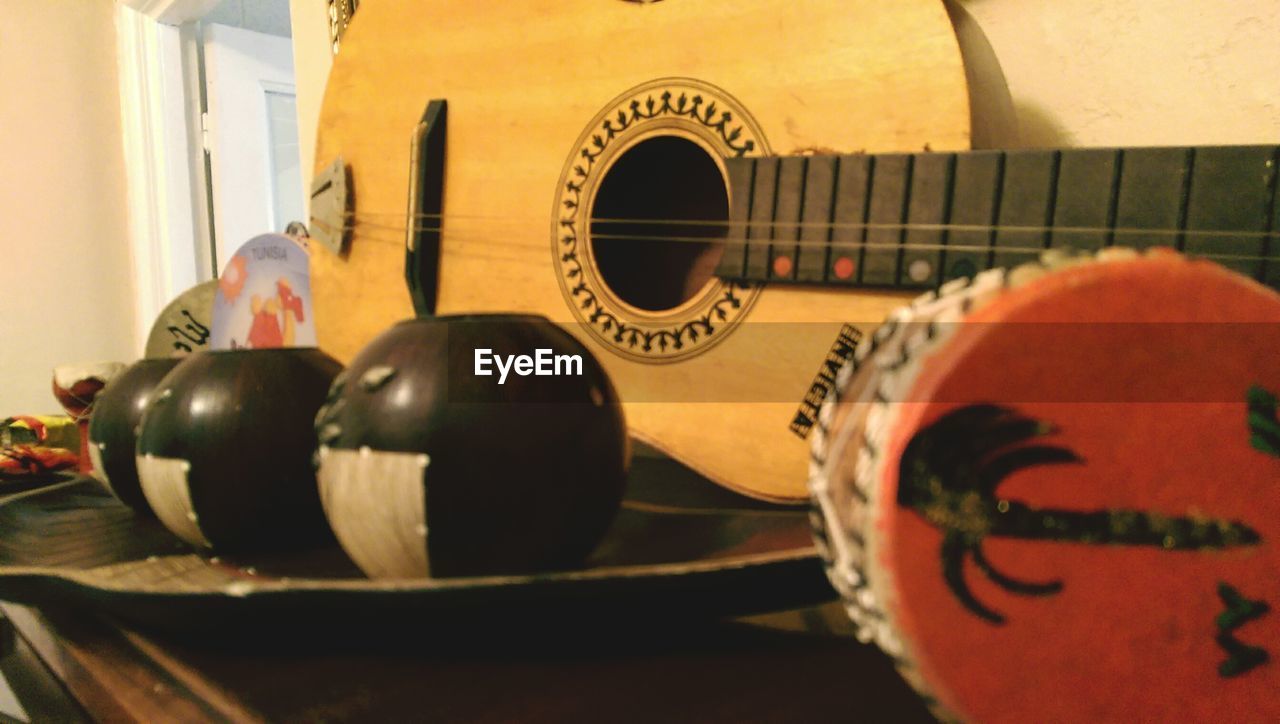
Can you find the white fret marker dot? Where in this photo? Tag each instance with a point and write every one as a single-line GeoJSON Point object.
{"type": "Point", "coordinates": [919, 270]}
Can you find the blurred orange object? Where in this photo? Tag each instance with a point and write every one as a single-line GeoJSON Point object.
{"type": "Point", "coordinates": [21, 461]}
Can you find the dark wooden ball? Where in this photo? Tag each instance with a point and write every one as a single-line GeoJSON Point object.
{"type": "Point", "coordinates": [224, 453]}
{"type": "Point", "coordinates": [113, 430]}
{"type": "Point", "coordinates": [428, 469]}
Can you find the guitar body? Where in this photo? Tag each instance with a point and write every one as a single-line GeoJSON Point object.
{"type": "Point", "coordinates": [558, 108]}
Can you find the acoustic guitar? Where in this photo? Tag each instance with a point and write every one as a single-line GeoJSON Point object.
{"type": "Point", "coordinates": [718, 199]}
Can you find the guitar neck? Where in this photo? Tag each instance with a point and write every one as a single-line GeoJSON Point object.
{"type": "Point", "coordinates": [914, 221]}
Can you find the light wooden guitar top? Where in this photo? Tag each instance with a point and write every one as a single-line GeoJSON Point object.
{"type": "Point", "coordinates": [528, 86]}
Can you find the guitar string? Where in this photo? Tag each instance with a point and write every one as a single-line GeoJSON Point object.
{"type": "Point", "coordinates": [854, 225]}
{"type": "Point", "coordinates": [486, 239]}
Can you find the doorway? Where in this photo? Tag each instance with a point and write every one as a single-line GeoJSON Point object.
{"type": "Point", "coordinates": [210, 130]}
{"type": "Point", "coordinates": [250, 123]}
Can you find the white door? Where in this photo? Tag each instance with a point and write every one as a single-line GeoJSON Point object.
{"type": "Point", "coordinates": [252, 136]}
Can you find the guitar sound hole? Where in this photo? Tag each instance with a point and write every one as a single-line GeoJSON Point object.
{"type": "Point", "coordinates": [647, 257]}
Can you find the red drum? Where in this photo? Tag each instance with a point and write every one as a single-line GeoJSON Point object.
{"type": "Point", "coordinates": [1053, 493]}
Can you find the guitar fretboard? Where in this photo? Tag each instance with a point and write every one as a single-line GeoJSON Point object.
{"type": "Point", "coordinates": [917, 220]}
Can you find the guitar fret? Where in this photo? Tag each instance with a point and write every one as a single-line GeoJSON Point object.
{"type": "Point", "coordinates": [741, 173]}
{"type": "Point", "coordinates": [812, 264]}
{"type": "Point", "coordinates": [848, 236]}
{"type": "Point", "coordinates": [890, 196]}
{"type": "Point", "coordinates": [1271, 270]}
{"type": "Point", "coordinates": [995, 210]}
{"type": "Point", "coordinates": [1150, 195]}
{"type": "Point", "coordinates": [931, 177]}
{"type": "Point", "coordinates": [1189, 164]}
{"type": "Point", "coordinates": [974, 203]}
{"type": "Point", "coordinates": [1231, 189]}
{"type": "Point", "coordinates": [1026, 192]}
{"type": "Point", "coordinates": [1055, 177]}
{"type": "Point", "coordinates": [788, 205]}
{"type": "Point", "coordinates": [1084, 207]}
{"type": "Point", "coordinates": [760, 234]}
{"type": "Point", "coordinates": [1113, 203]}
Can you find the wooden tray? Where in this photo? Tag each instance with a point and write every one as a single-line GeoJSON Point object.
{"type": "Point", "coordinates": [14, 484]}
{"type": "Point", "coordinates": [666, 559]}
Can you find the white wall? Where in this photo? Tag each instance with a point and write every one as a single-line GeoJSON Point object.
{"type": "Point", "coordinates": [1138, 72]}
{"type": "Point", "coordinates": [65, 288]}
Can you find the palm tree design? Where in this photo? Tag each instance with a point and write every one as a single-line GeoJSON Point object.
{"type": "Point", "coordinates": [1264, 430]}
{"type": "Point", "coordinates": [950, 473]}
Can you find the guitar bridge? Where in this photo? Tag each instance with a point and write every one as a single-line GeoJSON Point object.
{"type": "Point", "coordinates": [330, 204]}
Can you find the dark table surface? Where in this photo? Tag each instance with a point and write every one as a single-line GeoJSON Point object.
{"type": "Point", "coordinates": [718, 671]}
{"type": "Point", "coordinates": [800, 666]}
